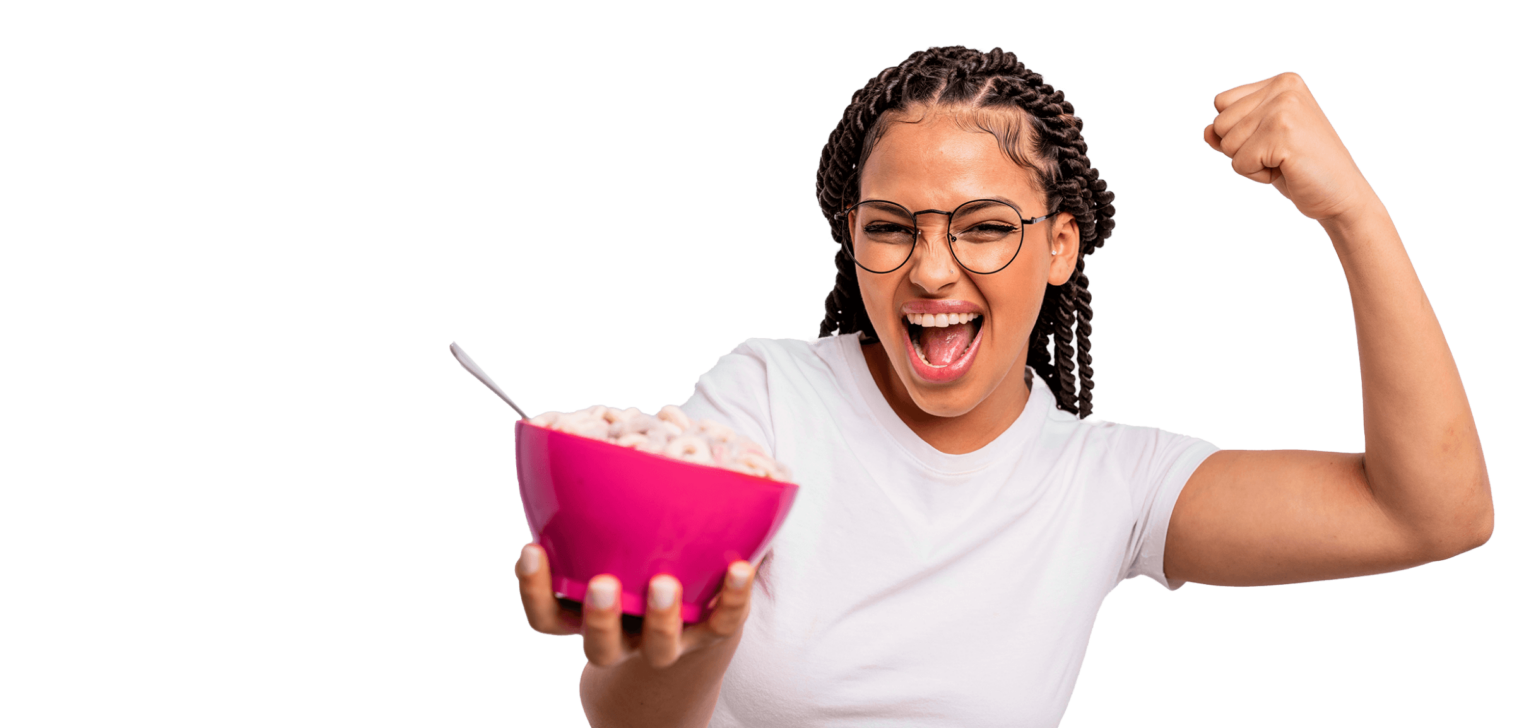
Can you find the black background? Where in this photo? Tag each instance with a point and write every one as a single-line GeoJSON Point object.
{"type": "Point", "coordinates": [582, 266]}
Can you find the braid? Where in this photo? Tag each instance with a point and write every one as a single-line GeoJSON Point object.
{"type": "Point", "coordinates": [1084, 330]}
{"type": "Point", "coordinates": [966, 78]}
{"type": "Point", "coordinates": [845, 308]}
{"type": "Point", "coordinates": [1064, 315]}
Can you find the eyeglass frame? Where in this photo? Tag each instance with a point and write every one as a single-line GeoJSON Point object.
{"type": "Point", "coordinates": [949, 218]}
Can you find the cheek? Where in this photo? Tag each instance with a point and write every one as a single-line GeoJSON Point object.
{"type": "Point", "coordinates": [876, 296]}
{"type": "Point", "coordinates": [1014, 304]}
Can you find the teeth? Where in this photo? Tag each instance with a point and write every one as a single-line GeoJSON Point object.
{"type": "Point", "coordinates": [941, 320]}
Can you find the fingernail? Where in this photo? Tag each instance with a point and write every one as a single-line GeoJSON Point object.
{"type": "Point", "coordinates": [663, 593]}
{"type": "Point", "coordinates": [601, 594]}
{"type": "Point", "coordinates": [739, 574]}
{"type": "Point", "coordinates": [528, 563]}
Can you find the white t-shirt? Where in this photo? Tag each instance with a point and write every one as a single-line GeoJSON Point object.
{"type": "Point", "coordinates": [913, 587]}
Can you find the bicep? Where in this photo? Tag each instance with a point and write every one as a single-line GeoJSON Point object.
{"type": "Point", "coordinates": [1256, 517]}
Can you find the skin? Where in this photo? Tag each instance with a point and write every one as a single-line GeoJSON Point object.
{"type": "Point", "coordinates": [934, 164]}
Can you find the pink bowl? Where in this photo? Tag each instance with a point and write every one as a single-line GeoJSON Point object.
{"type": "Point", "coordinates": [597, 508]}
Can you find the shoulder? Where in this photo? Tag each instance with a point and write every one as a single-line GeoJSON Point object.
{"type": "Point", "coordinates": [790, 349]}
{"type": "Point", "coordinates": [784, 372]}
{"type": "Point", "coordinates": [764, 359]}
{"type": "Point", "coordinates": [1134, 452]}
{"type": "Point", "coordinates": [762, 381]}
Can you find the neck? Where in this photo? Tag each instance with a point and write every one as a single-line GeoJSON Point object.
{"type": "Point", "coordinates": [960, 434]}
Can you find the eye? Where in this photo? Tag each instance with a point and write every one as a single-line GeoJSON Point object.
{"type": "Point", "coordinates": [888, 232]}
{"type": "Point", "coordinates": [987, 232]}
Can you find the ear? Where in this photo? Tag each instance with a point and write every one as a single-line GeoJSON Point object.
{"type": "Point", "coordinates": [1062, 234]}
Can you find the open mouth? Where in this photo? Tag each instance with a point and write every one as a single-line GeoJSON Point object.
{"type": "Point", "coordinates": [941, 347]}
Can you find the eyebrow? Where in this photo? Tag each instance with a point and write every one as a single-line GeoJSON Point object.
{"type": "Point", "coordinates": [998, 198]}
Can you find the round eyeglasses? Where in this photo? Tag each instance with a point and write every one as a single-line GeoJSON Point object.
{"type": "Point", "coordinates": [983, 235]}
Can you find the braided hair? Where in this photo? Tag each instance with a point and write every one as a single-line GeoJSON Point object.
{"type": "Point", "coordinates": [959, 77]}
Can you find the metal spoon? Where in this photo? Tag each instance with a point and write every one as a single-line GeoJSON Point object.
{"type": "Point", "coordinates": [473, 368]}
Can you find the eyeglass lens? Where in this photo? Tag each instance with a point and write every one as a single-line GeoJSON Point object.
{"type": "Point", "coordinates": [985, 235]}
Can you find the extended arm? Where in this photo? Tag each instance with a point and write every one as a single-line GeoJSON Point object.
{"type": "Point", "coordinates": [1420, 491]}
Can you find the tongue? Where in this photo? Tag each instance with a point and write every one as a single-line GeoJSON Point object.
{"type": "Point", "coordinates": [942, 346]}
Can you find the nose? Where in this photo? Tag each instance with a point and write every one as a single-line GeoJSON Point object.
{"type": "Point", "coordinates": [933, 266]}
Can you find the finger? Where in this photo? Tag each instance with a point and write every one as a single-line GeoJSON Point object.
{"type": "Point", "coordinates": [1237, 111]}
{"type": "Point", "coordinates": [1211, 139]}
{"type": "Point", "coordinates": [731, 608]}
{"type": "Point", "coordinates": [601, 630]}
{"type": "Point", "coordinates": [1231, 95]}
{"type": "Point", "coordinates": [1257, 159]}
{"type": "Point", "coordinates": [660, 640]}
{"type": "Point", "coordinates": [1239, 134]}
{"type": "Point", "coordinates": [538, 598]}
{"type": "Point", "coordinates": [1264, 137]}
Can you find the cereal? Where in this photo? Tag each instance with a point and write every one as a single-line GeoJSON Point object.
{"type": "Point", "coordinates": [690, 448]}
{"type": "Point", "coordinates": [669, 432]}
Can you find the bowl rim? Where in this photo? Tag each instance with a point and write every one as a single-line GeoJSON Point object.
{"type": "Point", "coordinates": [756, 479]}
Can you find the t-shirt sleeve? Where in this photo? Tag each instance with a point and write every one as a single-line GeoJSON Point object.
{"type": "Point", "coordinates": [735, 393]}
{"type": "Point", "coordinates": [1160, 463]}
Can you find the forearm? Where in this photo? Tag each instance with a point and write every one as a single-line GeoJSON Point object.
{"type": "Point", "coordinates": [1423, 459]}
{"type": "Point", "coordinates": [634, 694]}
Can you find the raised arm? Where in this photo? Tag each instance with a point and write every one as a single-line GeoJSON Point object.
{"type": "Point", "coordinates": [1420, 490]}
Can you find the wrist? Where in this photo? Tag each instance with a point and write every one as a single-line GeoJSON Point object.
{"type": "Point", "coordinates": [1369, 212]}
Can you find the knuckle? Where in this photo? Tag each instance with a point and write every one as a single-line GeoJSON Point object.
{"type": "Point", "coordinates": [1283, 120]}
{"type": "Point", "coordinates": [602, 660]}
{"type": "Point", "coordinates": [659, 661]}
{"type": "Point", "coordinates": [727, 603]}
{"type": "Point", "coordinates": [661, 652]}
{"type": "Point", "coordinates": [659, 625]}
{"type": "Point", "coordinates": [600, 626]}
{"type": "Point", "coordinates": [726, 625]}
{"type": "Point", "coordinates": [539, 619]}
{"type": "Point", "coordinates": [1288, 99]}
{"type": "Point", "coordinates": [599, 623]}
{"type": "Point", "coordinates": [539, 622]}
{"type": "Point", "coordinates": [600, 654]}
{"type": "Point", "coordinates": [730, 620]}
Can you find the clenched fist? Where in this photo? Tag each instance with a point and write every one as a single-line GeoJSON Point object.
{"type": "Point", "coordinates": [1275, 133]}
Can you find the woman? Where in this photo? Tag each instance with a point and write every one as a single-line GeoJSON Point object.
{"type": "Point", "coordinates": [959, 523]}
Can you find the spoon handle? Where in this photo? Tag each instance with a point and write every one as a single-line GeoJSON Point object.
{"type": "Point", "coordinates": [473, 368]}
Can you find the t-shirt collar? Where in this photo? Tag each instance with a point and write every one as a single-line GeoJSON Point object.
{"type": "Point", "coordinates": [1024, 430]}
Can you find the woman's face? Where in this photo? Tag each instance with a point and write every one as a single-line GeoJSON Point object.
{"type": "Point", "coordinates": [937, 165]}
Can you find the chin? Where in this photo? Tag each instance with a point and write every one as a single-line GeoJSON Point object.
{"type": "Point", "coordinates": [945, 400]}
{"type": "Point", "coordinates": [952, 401]}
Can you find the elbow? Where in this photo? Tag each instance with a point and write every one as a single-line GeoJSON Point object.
{"type": "Point", "coordinates": [1468, 530]}
{"type": "Point", "coordinates": [1480, 523]}
{"type": "Point", "coordinates": [1482, 528]}
{"type": "Point", "coordinates": [1472, 536]}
